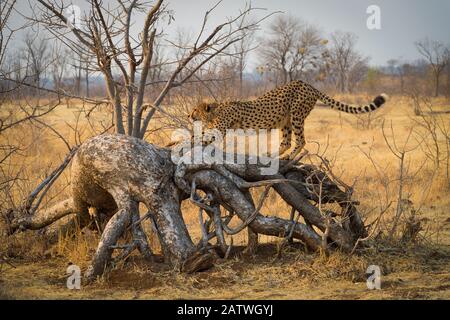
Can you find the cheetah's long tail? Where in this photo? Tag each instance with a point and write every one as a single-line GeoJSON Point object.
{"type": "Point", "coordinates": [377, 103]}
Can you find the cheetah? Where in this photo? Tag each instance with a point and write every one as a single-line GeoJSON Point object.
{"type": "Point", "coordinates": [284, 108]}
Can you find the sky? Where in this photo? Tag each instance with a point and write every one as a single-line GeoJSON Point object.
{"type": "Point", "coordinates": [402, 21]}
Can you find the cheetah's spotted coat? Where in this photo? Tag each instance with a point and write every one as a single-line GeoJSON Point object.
{"type": "Point", "coordinates": [284, 108]}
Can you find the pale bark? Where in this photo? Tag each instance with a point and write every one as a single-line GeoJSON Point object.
{"type": "Point", "coordinates": [114, 173]}
{"type": "Point", "coordinates": [42, 218]}
{"type": "Point", "coordinates": [113, 170]}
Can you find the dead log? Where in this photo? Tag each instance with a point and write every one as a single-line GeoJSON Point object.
{"type": "Point", "coordinates": [225, 190]}
{"type": "Point", "coordinates": [121, 170]}
{"type": "Point", "coordinates": [41, 219]}
{"type": "Point", "coordinates": [294, 194]}
{"type": "Point", "coordinates": [114, 173]}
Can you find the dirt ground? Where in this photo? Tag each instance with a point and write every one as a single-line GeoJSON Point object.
{"type": "Point", "coordinates": [422, 273]}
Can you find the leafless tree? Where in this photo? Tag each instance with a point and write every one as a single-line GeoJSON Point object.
{"type": "Point", "coordinates": [435, 53]}
{"type": "Point", "coordinates": [432, 127]}
{"type": "Point", "coordinates": [346, 62]}
{"type": "Point", "coordinates": [291, 47]}
{"type": "Point", "coordinates": [357, 74]}
{"type": "Point", "coordinates": [58, 67]}
{"type": "Point", "coordinates": [11, 65]}
{"type": "Point", "coordinates": [399, 69]}
{"type": "Point", "coordinates": [414, 74]}
{"type": "Point", "coordinates": [160, 62]}
{"type": "Point", "coordinates": [80, 63]}
{"type": "Point", "coordinates": [6, 8]}
{"type": "Point", "coordinates": [125, 60]}
{"type": "Point", "coordinates": [399, 152]}
{"type": "Point", "coordinates": [37, 57]}
{"type": "Point", "coordinates": [448, 72]}
{"type": "Point", "coordinates": [242, 49]}
{"type": "Point", "coordinates": [396, 189]}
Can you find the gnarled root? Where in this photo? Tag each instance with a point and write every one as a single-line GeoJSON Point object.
{"type": "Point", "coordinates": [114, 173]}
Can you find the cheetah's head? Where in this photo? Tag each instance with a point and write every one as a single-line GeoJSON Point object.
{"type": "Point", "coordinates": [203, 112]}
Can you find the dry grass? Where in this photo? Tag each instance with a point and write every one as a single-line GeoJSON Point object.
{"type": "Point", "coordinates": [422, 274]}
{"type": "Point", "coordinates": [414, 270]}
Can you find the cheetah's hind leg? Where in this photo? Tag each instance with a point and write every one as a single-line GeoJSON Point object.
{"type": "Point", "coordinates": [286, 142]}
{"type": "Point", "coordinates": [299, 132]}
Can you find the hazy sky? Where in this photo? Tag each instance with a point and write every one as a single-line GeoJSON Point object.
{"type": "Point", "coordinates": [402, 21]}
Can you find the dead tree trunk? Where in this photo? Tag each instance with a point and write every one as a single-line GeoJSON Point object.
{"type": "Point", "coordinates": [114, 173]}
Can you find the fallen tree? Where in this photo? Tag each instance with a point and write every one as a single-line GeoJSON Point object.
{"type": "Point", "coordinates": [112, 174]}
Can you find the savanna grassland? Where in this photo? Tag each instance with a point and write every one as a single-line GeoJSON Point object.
{"type": "Point", "coordinates": [415, 265]}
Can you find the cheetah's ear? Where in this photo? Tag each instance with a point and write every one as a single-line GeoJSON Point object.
{"type": "Point", "coordinates": [210, 107]}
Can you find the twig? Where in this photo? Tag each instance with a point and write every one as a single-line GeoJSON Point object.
{"type": "Point", "coordinates": [227, 254]}
{"type": "Point", "coordinates": [202, 227]}
{"type": "Point", "coordinates": [45, 185]}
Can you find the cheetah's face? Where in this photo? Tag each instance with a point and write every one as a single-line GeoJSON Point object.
{"type": "Point", "coordinates": [203, 112]}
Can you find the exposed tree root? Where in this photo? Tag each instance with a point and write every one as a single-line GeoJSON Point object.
{"type": "Point", "coordinates": [114, 173]}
